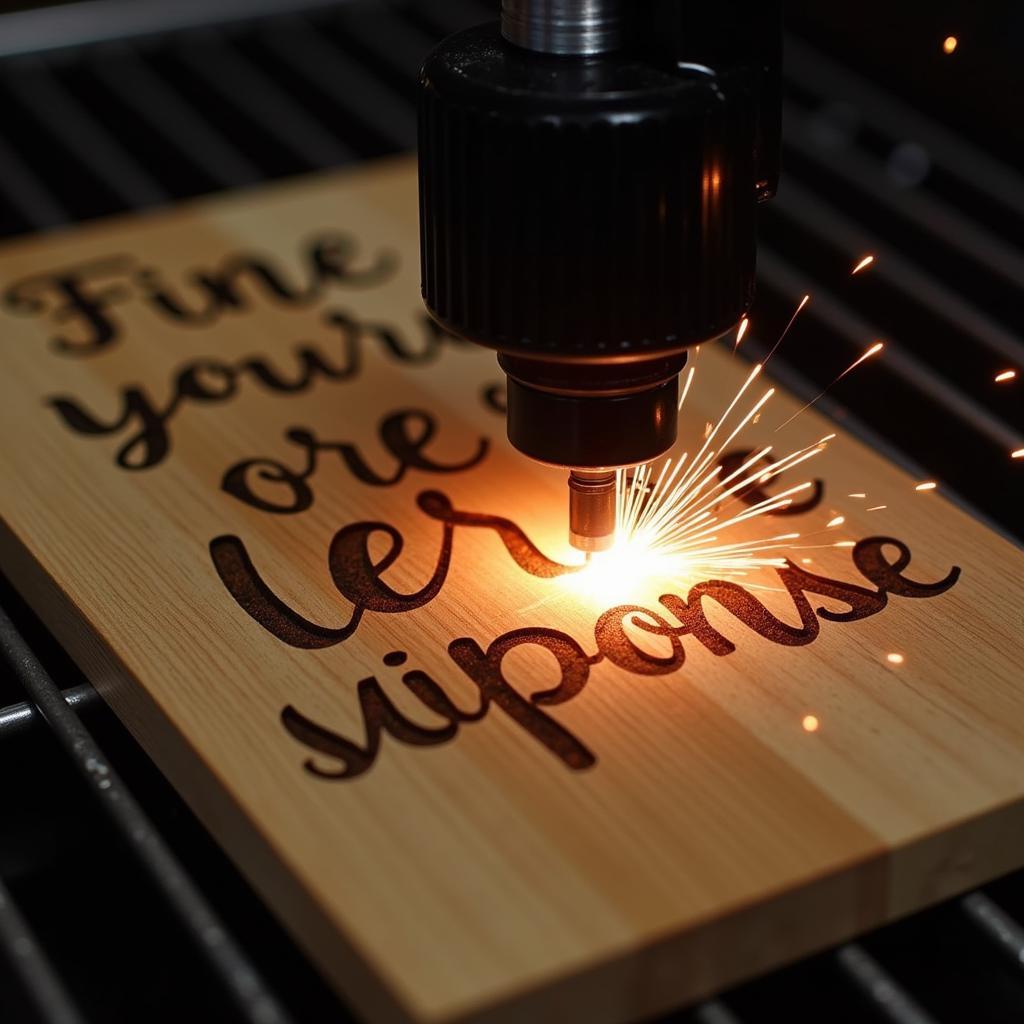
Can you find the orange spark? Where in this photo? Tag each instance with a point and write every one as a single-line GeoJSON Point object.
{"type": "Point", "coordinates": [845, 544]}
{"type": "Point", "coordinates": [810, 723]}
{"type": "Point", "coordinates": [949, 44]}
{"type": "Point", "coordinates": [928, 485]}
{"type": "Point", "coordinates": [740, 331]}
{"type": "Point", "coordinates": [785, 330]}
{"type": "Point", "coordinates": [864, 263]}
{"type": "Point", "coordinates": [875, 508]}
{"type": "Point", "coordinates": [686, 386]}
{"type": "Point", "coordinates": [838, 521]}
{"type": "Point", "coordinates": [681, 514]}
{"type": "Point", "coordinates": [1005, 376]}
{"type": "Point", "coordinates": [1018, 454]}
{"type": "Point", "coordinates": [857, 494]}
{"type": "Point", "coordinates": [894, 658]}
{"type": "Point", "coordinates": [874, 350]}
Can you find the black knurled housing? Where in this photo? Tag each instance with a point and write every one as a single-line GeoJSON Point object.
{"type": "Point", "coordinates": [599, 209]}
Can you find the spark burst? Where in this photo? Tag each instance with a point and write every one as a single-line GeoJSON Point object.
{"type": "Point", "coordinates": [684, 516]}
{"type": "Point", "coordinates": [681, 515]}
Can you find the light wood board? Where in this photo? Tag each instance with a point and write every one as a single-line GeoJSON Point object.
{"type": "Point", "coordinates": [653, 836]}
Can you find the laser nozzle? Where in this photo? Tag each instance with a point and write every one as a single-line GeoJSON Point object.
{"type": "Point", "coordinates": [592, 502]}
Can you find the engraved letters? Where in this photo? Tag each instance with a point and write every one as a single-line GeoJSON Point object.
{"type": "Point", "coordinates": [86, 303]}
{"type": "Point", "coordinates": [357, 578]}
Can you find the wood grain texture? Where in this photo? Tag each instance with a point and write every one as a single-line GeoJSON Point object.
{"type": "Point", "coordinates": [472, 869]}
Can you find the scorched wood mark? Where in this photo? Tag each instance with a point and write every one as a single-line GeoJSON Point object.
{"type": "Point", "coordinates": [404, 434]}
{"type": "Point", "coordinates": [76, 295]}
{"type": "Point", "coordinates": [379, 714]}
{"type": "Point", "coordinates": [357, 578]}
{"type": "Point", "coordinates": [146, 420]}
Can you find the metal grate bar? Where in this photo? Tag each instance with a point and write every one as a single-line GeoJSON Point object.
{"type": "Point", "coordinates": [714, 1011]}
{"type": "Point", "coordinates": [800, 204]}
{"type": "Point", "coordinates": [32, 965]}
{"type": "Point", "coordinates": [254, 93]}
{"type": "Point", "coordinates": [888, 998]}
{"type": "Point", "coordinates": [973, 166]}
{"type": "Point", "coordinates": [210, 935]}
{"type": "Point", "coordinates": [31, 199]}
{"type": "Point", "coordinates": [98, 21]}
{"type": "Point", "coordinates": [74, 126]}
{"type": "Point", "coordinates": [136, 84]}
{"type": "Point", "coordinates": [927, 211]}
{"type": "Point", "coordinates": [996, 925]}
{"type": "Point", "coordinates": [803, 387]}
{"type": "Point", "coordinates": [783, 275]}
{"type": "Point", "coordinates": [392, 40]}
{"type": "Point", "coordinates": [326, 66]}
{"type": "Point", "coordinates": [18, 719]}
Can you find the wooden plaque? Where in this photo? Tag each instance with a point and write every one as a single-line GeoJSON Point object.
{"type": "Point", "coordinates": [273, 514]}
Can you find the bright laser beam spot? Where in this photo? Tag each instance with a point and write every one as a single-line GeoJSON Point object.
{"type": "Point", "coordinates": [863, 265]}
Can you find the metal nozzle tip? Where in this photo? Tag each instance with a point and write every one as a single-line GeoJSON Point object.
{"type": "Point", "coordinates": [581, 542]}
{"type": "Point", "coordinates": [592, 509]}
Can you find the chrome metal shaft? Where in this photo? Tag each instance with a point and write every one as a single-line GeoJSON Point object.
{"type": "Point", "coordinates": [565, 26]}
